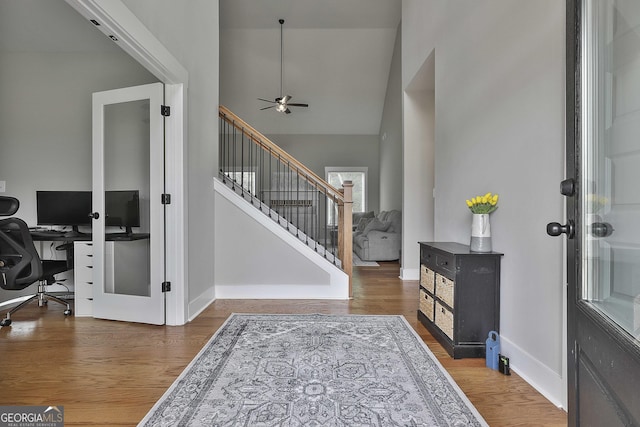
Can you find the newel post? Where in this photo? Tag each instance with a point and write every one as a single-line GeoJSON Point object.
{"type": "Point", "coordinates": [345, 239]}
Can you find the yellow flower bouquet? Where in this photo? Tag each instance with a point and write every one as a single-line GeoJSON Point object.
{"type": "Point", "coordinates": [483, 204]}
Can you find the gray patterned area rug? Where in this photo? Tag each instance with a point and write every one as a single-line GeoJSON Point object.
{"type": "Point", "coordinates": [314, 370]}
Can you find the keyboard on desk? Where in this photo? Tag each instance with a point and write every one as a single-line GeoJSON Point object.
{"type": "Point", "coordinates": [126, 236]}
{"type": "Point", "coordinates": [57, 235]}
{"type": "Point", "coordinates": [46, 233]}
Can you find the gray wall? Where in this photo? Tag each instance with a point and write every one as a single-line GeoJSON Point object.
{"type": "Point", "coordinates": [391, 134]}
{"type": "Point", "coordinates": [499, 127]}
{"type": "Point", "coordinates": [189, 30]}
{"type": "Point", "coordinates": [45, 120]}
{"type": "Point", "coordinates": [318, 151]}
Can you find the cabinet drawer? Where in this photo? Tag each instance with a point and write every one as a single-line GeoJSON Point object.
{"type": "Point", "coordinates": [426, 304]}
{"type": "Point", "coordinates": [427, 257]}
{"type": "Point", "coordinates": [444, 319]}
{"type": "Point", "coordinates": [445, 262]}
{"type": "Point", "coordinates": [445, 290]}
{"type": "Point", "coordinates": [427, 278]}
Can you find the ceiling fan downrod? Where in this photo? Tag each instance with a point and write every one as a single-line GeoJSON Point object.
{"type": "Point", "coordinates": [281, 103]}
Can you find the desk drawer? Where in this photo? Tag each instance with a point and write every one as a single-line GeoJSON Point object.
{"type": "Point", "coordinates": [83, 279]}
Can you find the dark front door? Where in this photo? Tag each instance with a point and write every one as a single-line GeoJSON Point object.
{"type": "Point", "coordinates": [603, 212]}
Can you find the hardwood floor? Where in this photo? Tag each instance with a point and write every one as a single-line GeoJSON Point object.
{"type": "Point", "coordinates": [108, 373]}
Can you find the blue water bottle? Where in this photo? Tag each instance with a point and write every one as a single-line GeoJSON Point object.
{"type": "Point", "coordinates": [492, 350]}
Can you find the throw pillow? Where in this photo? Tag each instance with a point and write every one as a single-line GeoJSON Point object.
{"type": "Point", "coordinates": [375, 224]}
{"type": "Point", "coordinates": [363, 223]}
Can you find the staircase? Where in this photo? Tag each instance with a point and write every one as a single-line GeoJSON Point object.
{"type": "Point", "coordinates": [286, 191]}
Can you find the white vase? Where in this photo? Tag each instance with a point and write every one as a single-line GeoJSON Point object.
{"type": "Point", "coordinates": [480, 233]}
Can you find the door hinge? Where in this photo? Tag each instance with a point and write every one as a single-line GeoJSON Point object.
{"type": "Point", "coordinates": [166, 286]}
{"type": "Point", "coordinates": [165, 110]}
{"type": "Point", "coordinates": [166, 199]}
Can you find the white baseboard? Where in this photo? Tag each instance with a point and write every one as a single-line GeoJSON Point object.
{"type": "Point", "coordinates": [547, 382]}
{"type": "Point", "coordinates": [274, 291]}
{"type": "Point", "coordinates": [409, 274]}
{"type": "Point", "coordinates": [201, 302]}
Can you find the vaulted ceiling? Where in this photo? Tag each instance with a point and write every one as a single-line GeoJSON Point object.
{"type": "Point", "coordinates": [337, 56]}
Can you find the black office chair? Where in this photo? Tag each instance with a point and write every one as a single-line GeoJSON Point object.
{"type": "Point", "coordinates": [20, 264]}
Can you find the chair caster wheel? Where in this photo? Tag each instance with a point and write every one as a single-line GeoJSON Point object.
{"type": "Point", "coordinates": [68, 312]}
{"type": "Point", "coordinates": [5, 322]}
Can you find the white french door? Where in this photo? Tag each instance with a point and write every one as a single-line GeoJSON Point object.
{"type": "Point", "coordinates": [128, 157]}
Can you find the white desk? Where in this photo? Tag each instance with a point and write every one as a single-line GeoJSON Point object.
{"type": "Point", "coordinates": [131, 277]}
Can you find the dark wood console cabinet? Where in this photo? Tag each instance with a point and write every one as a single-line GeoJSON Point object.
{"type": "Point", "coordinates": [459, 296]}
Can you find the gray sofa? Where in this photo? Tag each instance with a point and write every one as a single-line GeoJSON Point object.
{"type": "Point", "coordinates": [378, 238]}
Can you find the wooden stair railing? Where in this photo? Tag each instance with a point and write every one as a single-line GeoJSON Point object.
{"type": "Point", "coordinates": [276, 180]}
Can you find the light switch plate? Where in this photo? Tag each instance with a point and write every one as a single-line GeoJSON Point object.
{"type": "Point", "coordinates": [3, 186]}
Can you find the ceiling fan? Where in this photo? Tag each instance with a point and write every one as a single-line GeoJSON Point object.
{"type": "Point", "coordinates": [282, 104]}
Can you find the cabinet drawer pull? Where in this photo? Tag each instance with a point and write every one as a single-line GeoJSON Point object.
{"type": "Point", "coordinates": [90, 283]}
{"type": "Point", "coordinates": [89, 266]}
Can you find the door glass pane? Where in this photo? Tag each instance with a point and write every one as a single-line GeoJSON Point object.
{"type": "Point", "coordinates": [611, 160]}
{"type": "Point", "coordinates": [126, 198]}
{"type": "Point", "coordinates": [359, 191]}
{"type": "Point", "coordinates": [337, 177]}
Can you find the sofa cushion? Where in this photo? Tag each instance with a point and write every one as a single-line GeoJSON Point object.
{"type": "Point", "coordinates": [363, 223]}
{"type": "Point", "coordinates": [375, 224]}
{"type": "Point", "coordinates": [357, 216]}
{"type": "Point", "coordinates": [361, 241]}
{"type": "Point", "coordinates": [394, 217]}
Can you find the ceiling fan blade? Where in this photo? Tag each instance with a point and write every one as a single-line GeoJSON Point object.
{"type": "Point", "coordinates": [286, 99]}
{"type": "Point", "coordinates": [266, 108]}
{"type": "Point", "coordinates": [287, 111]}
{"type": "Point", "coordinates": [267, 100]}
{"type": "Point", "coordinates": [297, 105]}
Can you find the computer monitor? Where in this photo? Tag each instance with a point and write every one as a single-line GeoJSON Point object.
{"type": "Point", "coordinates": [64, 208]}
{"type": "Point", "coordinates": [72, 208]}
{"type": "Point", "coordinates": [122, 209]}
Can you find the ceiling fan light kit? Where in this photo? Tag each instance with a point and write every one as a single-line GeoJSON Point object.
{"type": "Point", "coordinates": [282, 103]}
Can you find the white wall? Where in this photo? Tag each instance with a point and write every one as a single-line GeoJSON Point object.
{"type": "Point", "coordinates": [318, 151]}
{"type": "Point", "coordinates": [391, 134]}
{"type": "Point", "coordinates": [266, 261]}
{"type": "Point", "coordinates": [189, 30]}
{"type": "Point", "coordinates": [499, 127]}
